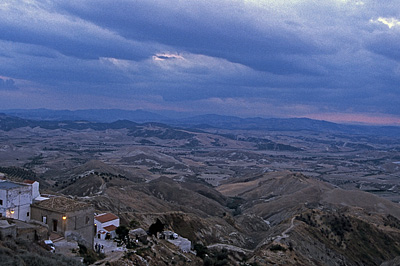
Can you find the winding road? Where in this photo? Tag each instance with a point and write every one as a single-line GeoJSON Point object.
{"type": "Point", "coordinates": [284, 234]}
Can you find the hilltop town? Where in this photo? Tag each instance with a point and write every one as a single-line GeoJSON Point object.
{"type": "Point", "coordinates": [70, 227]}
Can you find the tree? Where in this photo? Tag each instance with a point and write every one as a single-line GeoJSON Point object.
{"type": "Point", "coordinates": [201, 250]}
{"type": "Point", "coordinates": [133, 224]}
{"type": "Point", "coordinates": [122, 233]}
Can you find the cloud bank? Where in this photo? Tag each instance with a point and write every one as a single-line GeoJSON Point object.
{"type": "Point", "coordinates": [248, 58]}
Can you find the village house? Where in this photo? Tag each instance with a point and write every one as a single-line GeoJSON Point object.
{"type": "Point", "coordinates": [184, 244]}
{"type": "Point", "coordinates": [66, 217]}
{"type": "Point", "coordinates": [105, 225]}
{"type": "Point", "coordinates": [16, 199]}
{"type": "Point", "coordinates": [35, 190]}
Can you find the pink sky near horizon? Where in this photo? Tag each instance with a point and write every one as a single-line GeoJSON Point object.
{"type": "Point", "coordinates": [378, 120]}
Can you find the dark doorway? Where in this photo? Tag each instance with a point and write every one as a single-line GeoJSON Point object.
{"type": "Point", "coordinates": [55, 225]}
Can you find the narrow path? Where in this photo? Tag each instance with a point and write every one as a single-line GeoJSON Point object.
{"type": "Point", "coordinates": [284, 234]}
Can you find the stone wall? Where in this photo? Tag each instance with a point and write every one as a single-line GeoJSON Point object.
{"type": "Point", "coordinates": [7, 230]}
{"type": "Point", "coordinates": [78, 224]}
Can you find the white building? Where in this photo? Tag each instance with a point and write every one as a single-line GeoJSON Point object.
{"type": "Point", "coordinates": [16, 199]}
{"type": "Point", "coordinates": [184, 244]}
{"type": "Point", "coordinates": [105, 225]}
{"type": "Point", "coordinates": [34, 186]}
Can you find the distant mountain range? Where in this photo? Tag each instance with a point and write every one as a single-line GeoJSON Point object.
{"type": "Point", "coordinates": [93, 115]}
{"type": "Point", "coordinates": [104, 118]}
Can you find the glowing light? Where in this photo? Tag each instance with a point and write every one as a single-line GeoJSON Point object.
{"type": "Point", "coordinates": [64, 217]}
{"type": "Point", "coordinates": [390, 22]}
{"type": "Point", "coordinates": [12, 211]}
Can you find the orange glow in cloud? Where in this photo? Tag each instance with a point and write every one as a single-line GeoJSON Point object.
{"type": "Point", "coordinates": [358, 118]}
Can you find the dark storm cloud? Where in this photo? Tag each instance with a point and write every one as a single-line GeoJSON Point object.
{"type": "Point", "coordinates": [295, 55]}
{"type": "Point", "coordinates": [209, 29]}
{"type": "Point", "coordinates": [386, 44]}
{"type": "Point", "coordinates": [71, 36]}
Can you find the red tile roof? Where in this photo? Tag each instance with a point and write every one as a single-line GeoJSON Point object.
{"type": "Point", "coordinates": [110, 228]}
{"type": "Point", "coordinates": [105, 217]}
{"type": "Point", "coordinates": [29, 181]}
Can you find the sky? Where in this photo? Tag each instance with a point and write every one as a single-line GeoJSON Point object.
{"type": "Point", "coordinates": [335, 60]}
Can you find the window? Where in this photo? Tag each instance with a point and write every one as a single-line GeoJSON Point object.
{"type": "Point", "coordinates": [87, 220]}
{"type": "Point", "coordinates": [44, 219]}
{"type": "Point", "coordinates": [27, 214]}
{"type": "Point", "coordinates": [1, 202]}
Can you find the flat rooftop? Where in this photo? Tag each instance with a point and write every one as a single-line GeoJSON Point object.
{"type": "Point", "coordinates": [9, 185]}
{"type": "Point", "coordinates": [4, 224]}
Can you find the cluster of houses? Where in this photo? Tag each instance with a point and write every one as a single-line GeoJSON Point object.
{"type": "Point", "coordinates": [59, 217]}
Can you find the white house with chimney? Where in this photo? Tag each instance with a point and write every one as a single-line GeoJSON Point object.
{"type": "Point", "coordinates": [105, 225]}
{"type": "Point", "coordinates": [16, 198]}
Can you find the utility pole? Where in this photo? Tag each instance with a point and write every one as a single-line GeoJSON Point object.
{"type": "Point", "coordinates": [119, 203]}
{"type": "Point", "coordinates": [19, 203]}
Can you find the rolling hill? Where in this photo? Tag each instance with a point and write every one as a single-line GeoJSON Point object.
{"type": "Point", "coordinates": [280, 218]}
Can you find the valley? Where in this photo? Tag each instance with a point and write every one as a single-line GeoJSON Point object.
{"type": "Point", "coordinates": [262, 196]}
{"type": "Point", "coordinates": [148, 151]}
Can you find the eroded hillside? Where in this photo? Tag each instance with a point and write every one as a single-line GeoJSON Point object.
{"type": "Point", "coordinates": [280, 218]}
{"type": "Point", "coordinates": [244, 196]}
